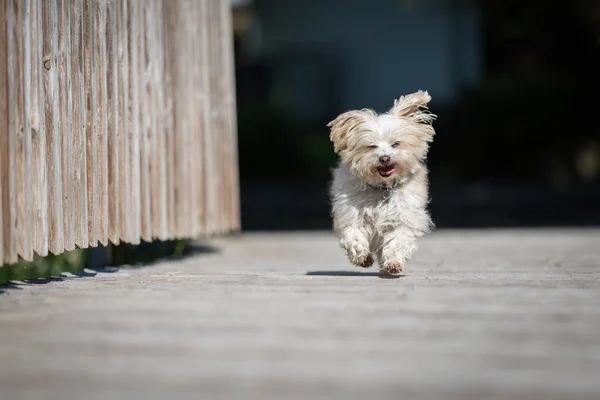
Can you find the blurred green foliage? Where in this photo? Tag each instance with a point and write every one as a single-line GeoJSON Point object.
{"type": "Point", "coordinates": [75, 261]}
{"type": "Point", "coordinates": [44, 267]}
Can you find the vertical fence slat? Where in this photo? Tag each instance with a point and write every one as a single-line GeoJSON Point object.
{"type": "Point", "coordinates": [225, 103]}
{"type": "Point", "coordinates": [157, 148]}
{"type": "Point", "coordinates": [14, 106]}
{"type": "Point", "coordinates": [154, 158]}
{"type": "Point", "coordinates": [222, 114]}
{"type": "Point", "coordinates": [233, 211]}
{"type": "Point", "coordinates": [206, 115]}
{"type": "Point", "coordinates": [144, 118]}
{"type": "Point", "coordinates": [114, 182]}
{"type": "Point", "coordinates": [196, 111]}
{"type": "Point", "coordinates": [80, 200]}
{"type": "Point", "coordinates": [100, 107]}
{"type": "Point", "coordinates": [22, 127]}
{"type": "Point", "coordinates": [219, 128]}
{"type": "Point", "coordinates": [90, 126]}
{"type": "Point", "coordinates": [134, 126]}
{"type": "Point", "coordinates": [208, 142]}
{"type": "Point", "coordinates": [168, 112]}
{"type": "Point", "coordinates": [219, 106]}
{"type": "Point", "coordinates": [5, 233]}
{"type": "Point", "coordinates": [201, 112]}
{"type": "Point", "coordinates": [180, 123]}
{"type": "Point", "coordinates": [229, 111]}
{"type": "Point", "coordinates": [53, 129]}
{"type": "Point", "coordinates": [124, 164]}
{"type": "Point", "coordinates": [150, 61]}
{"type": "Point", "coordinates": [161, 104]}
{"type": "Point", "coordinates": [66, 121]}
{"type": "Point", "coordinates": [39, 210]}
{"type": "Point", "coordinates": [185, 129]}
{"type": "Point", "coordinates": [216, 112]}
{"type": "Point", "coordinates": [189, 169]}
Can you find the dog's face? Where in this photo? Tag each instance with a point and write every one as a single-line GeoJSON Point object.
{"type": "Point", "coordinates": [387, 147]}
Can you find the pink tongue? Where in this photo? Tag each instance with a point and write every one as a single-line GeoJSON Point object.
{"type": "Point", "coordinates": [387, 170]}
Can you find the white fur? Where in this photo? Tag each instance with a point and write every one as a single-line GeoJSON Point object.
{"type": "Point", "coordinates": [374, 223]}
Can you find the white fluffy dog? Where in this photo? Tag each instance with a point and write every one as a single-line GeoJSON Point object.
{"type": "Point", "coordinates": [379, 191]}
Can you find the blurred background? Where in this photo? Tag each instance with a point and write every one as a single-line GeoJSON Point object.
{"type": "Point", "coordinates": [514, 84]}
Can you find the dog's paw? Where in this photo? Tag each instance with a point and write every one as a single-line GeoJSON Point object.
{"type": "Point", "coordinates": [393, 269]}
{"type": "Point", "coordinates": [357, 252]}
{"type": "Point", "coordinates": [360, 259]}
{"type": "Point", "coordinates": [368, 262]}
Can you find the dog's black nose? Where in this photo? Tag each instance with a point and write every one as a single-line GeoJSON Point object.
{"type": "Point", "coordinates": [384, 159]}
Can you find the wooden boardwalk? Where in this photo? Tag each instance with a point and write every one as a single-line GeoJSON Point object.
{"type": "Point", "coordinates": [480, 315]}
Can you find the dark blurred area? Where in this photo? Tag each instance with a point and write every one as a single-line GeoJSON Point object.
{"type": "Point", "coordinates": [514, 84]}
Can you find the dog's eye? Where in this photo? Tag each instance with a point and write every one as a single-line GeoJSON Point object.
{"type": "Point", "coordinates": [373, 146]}
{"type": "Point", "coordinates": [395, 144]}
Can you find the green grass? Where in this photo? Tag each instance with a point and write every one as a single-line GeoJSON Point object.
{"type": "Point", "coordinates": [75, 261]}
{"type": "Point", "coordinates": [44, 267]}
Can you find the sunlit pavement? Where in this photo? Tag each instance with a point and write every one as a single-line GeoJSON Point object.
{"type": "Point", "coordinates": [480, 314]}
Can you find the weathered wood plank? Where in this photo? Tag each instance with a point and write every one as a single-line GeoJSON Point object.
{"type": "Point", "coordinates": [53, 129]}
{"type": "Point", "coordinates": [169, 36]}
{"type": "Point", "coordinates": [66, 121]}
{"type": "Point", "coordinates": [124, 153]}
{"type": "Point", "coordinates": [91, 122]}
{"type": "Point", "coordinates": [39, 201]}
{"type": "Point", "coordinates": [219, 127]}
{"type": "Point", "coordinates": [80, 198]}
{"type": "Point", "coordinates": [154, 147]}
{"type": "Point", "coordinates": [145, 66]}
{"type": "Point", "coordinates": [5, 233]}
{"type": "Point", "coordinates": [162, 212]}
{"type": "Point", "coordinates": [196, 111]}
{"type": "Point", "coordinates": [182, 123]}
{"type": "Point", "coordinates": [101, 120]}
{"type": "Point", "coordinates": [233, 195]}
{"type": "Point", "coordinates": [188, 171]}
{"type": "Point", "coordinates": [114, 181]}
{"type": "Point", "coordinates": [219, 106]}
{"type": "Point", "coordinates": [157, 137]}
{"type": "Point", "coordinates": [212, 162]}
{"type": "Point", "coordinates": [206, 110]}
{"type": "Point", "coordinates": [185, 129]}
{"type": "Point", "coordinates": [134, 127]}
{"type": "Point", "coordinates": [22, 126]}
{"type": "Point", "coordinates": [221, 113]}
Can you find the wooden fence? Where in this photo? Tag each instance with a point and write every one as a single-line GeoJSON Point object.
{"type": "Point", "coordinates": [117, 123]}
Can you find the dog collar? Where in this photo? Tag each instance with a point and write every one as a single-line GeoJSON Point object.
{"type": "Point", "coordinates": [387, 189]}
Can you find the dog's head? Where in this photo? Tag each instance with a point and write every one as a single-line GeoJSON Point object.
{"type": "Point", "coordinates": [383, 148]}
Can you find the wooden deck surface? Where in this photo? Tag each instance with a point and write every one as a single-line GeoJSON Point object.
{"type": "Point", "coordinates": [479, 315]}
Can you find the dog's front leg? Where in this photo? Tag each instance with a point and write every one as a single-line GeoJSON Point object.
{"type": "Point", "coordinates": [397, 247]}
{"type": "Point", "coordinates": [355, 243]}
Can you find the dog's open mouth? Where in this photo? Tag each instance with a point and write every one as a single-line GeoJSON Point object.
{"type": "Point", "coordinates": [387, 171]}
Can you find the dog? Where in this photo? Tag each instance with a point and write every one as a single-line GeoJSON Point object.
{"type": "Point", "coordinates": [379, 190]}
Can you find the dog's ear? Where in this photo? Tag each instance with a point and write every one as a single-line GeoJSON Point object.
{"type": "Point", "coordinates": [413, 106]}
{"type": "Point", "coordinates": [343, 124]}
